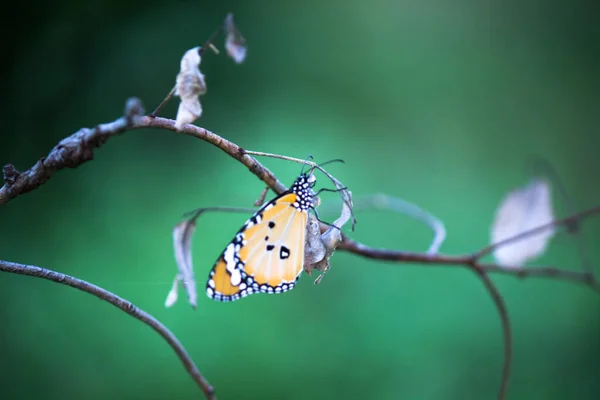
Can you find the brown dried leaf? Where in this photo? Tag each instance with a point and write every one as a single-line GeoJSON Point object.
{"type": "Point", "coordinates": [235, 43]}
{"type": "Point", "coordinates": [521, 210]}
{"type": "Point", "coordinates": [189, 86]}
{"type": "Point", "coordinates": [182, 244]}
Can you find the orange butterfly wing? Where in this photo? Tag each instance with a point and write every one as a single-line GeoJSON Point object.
{"type": "Point", "coordinates": [267, 254]}
{"type": "Point", "coordinates": [274, 249]}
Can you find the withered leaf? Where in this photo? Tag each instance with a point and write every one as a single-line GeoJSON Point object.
{"type": "Point", "coordinates": [521, 210]}
{"type": "Point", "coordinates": [235, 43]}
{"type": "Point", "coordinates": [189, 86]}
{"type": "Point", "coordinates": [319, 248]}
{"type": "Point", "coordinates": [182, 244]}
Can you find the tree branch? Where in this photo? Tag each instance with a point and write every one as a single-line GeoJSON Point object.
{"type": "Point", "coordinates": [79, 147]}
{"type": "Point", "coordinates": [585, 278]}
{"type": "Point", "coordinates": [121, 304]}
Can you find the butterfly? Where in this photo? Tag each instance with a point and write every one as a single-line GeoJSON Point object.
{"type": "Point", "coordinates": [267, 253]}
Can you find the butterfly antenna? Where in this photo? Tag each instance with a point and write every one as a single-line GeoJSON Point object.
{"type": "Point", "coordinates": [314, 210]}
{"type": "Point", "coordinates": [330, 190]}
{"type": "Point", "coordinates": [305, 163]}
{"type": "Point", "coordinates": [332, 161]}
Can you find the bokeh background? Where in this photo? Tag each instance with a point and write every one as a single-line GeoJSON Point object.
{"type": "Point", "coordinates": [439, 103]}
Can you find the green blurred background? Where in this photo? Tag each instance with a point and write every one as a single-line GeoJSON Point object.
{"type": "Point", "coordinates": [440, 103]}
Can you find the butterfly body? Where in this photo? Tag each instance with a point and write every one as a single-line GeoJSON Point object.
{"type": "Point", "coordinates": [267, 253]}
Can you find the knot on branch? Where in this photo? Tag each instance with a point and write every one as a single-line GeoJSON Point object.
{"type": "Point", "coordinates": [11, 174]}
{"type": "Point", "coordinates": [134, 108]}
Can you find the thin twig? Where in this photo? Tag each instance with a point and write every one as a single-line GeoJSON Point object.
{"type": "Point", "coordinates": [584, 278]}
{"type": "Point", "coordinates": [261, 198]}
{"type": "Point", "coordinates": [209, 42]}
{"type": "Point", "coordinates": [164, 102]}
{"type": "Point", "coordinates": [121, 304]}
{"type": "Point", "coordinates": [506, 329]}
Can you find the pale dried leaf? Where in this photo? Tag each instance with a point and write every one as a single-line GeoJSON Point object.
{"type": "Point", "coordinates": [182, 244]}
{"type": "Point", "coordinates": [173, 295]}
{"type": "Point", "coordinates": [189, 86]}
{"type": "Point", "coordinates": [314, 249]}
{"type": "Point", "coordinates": [235, 43]}
{"type": "Point", "coordinates": [521, 210]}
{"type": "Point", "coordinates": [320, 248]}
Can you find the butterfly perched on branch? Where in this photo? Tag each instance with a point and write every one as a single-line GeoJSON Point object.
{"type": "Point", "coordinates": [267, 253]}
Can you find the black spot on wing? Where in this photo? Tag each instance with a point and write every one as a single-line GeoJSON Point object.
{"type": "Point", "coordinates": [270, 247]}
{"type": "Point", "coordinates": [271, 224]}
{"type": "Point", "coordinates": [284, 252]}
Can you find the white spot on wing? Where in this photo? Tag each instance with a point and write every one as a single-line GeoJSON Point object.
{"type": "Point", "coordinates": [236, 277]}
{"type": "Point", "coordinates": [229, 257]}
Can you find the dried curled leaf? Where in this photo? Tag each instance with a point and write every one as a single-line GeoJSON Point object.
{"type": "Point", "coordinates": [189, 86]}
{"type": "Point", "coordinates": [319, 248]}
{"type": "Point", "coordinates": [314, 248]}
{"type": "Point", "coordinates": [182, 244]}
{"type": "Point", "coordinates": [235, 43]}
{"type": "Point", "coordinates": [521, 210]}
